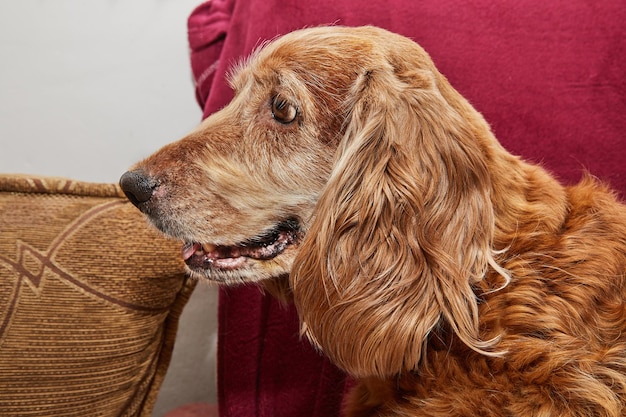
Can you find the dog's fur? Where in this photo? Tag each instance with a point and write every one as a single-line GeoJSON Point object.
{"type": "Point", "coordinates": [450, 277]}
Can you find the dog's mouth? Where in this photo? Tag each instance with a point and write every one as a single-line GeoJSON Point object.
{"type": "Point", "coordinates": [203, 256]}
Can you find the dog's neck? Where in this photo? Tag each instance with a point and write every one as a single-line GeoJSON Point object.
{"type": "Point", "coordinates": [524, 196]}
{"type": "Point", "coordinates": [529, 200]}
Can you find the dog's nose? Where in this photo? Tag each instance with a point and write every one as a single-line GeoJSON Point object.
{"type": "Point", "coordinates": [138, 186]}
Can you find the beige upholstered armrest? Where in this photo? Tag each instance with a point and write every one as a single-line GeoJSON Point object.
{"type": "Point", "coordinates": [90, 297]}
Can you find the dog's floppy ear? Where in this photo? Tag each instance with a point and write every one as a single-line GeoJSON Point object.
{"type": "Point", "coordinates": [402, 230]}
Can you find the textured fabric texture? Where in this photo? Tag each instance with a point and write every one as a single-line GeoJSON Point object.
{"type": "Point", "coordinates": [548, 76]}
{"type": "Point", "coordinates": [90, 298]}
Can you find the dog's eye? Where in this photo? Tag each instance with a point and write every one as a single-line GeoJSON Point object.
{"type": "Point", "coordinates": [283, 111]}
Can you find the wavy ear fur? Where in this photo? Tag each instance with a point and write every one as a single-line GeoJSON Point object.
{"type": "Point", "coordinates": [402, 230]}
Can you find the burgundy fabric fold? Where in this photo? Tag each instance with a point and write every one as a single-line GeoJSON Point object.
{"type": "Point", "coordinates": [548, 76]}
{"type": "Point", "coordinates": [207, 27]}
{"type": "Point", "coordinates": [264, 369]}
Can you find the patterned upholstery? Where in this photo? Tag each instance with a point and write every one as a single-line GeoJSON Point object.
{"type": "Point", "coordinates": [90, 297]}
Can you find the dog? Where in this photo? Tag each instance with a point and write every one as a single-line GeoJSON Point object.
{"type": "Point", "coordinates": [449, 277]}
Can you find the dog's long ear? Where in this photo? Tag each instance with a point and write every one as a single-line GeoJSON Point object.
{"type": "Point", "coordinates": [402, 230]}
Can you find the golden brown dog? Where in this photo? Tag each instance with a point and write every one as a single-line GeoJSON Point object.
{"type": "Point", "coordinates": [450, 277]}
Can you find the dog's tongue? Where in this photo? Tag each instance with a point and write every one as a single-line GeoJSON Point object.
{"type": "Point", "coordinates": [199, 256]}
{"type": "Point", "coordinates": [189, 249]}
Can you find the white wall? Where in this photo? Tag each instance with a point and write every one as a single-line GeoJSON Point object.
{"type": "Point", "coordinates": [107, 81]}
{"type": "Point", "coordinates": [86, 89]}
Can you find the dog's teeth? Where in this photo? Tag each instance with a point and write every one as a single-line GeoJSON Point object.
{"type": "Point", "coordinates": [207, 247]}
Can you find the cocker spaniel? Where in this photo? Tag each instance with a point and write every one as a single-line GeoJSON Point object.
{"type": "Point", "coordinates": [448, 276]}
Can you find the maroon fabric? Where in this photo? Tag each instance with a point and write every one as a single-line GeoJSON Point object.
{"type": "Point", "coordinates": [548, 76]}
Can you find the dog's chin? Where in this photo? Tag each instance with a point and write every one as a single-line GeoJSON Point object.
{"type": "Point", "coordinates": [250, 271]}
{"type": "Point", "coordinates": [266, 256]}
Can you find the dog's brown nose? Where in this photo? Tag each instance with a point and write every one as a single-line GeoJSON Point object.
{"type": "Point", "coordinates": [138, 186]}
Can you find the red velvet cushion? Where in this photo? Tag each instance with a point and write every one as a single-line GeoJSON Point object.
{"type": "Point", "coordinates": [548, 76]}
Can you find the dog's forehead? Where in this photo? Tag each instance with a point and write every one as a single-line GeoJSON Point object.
{"type": "Point", "coordinates": [306, 55]}
{"type": "Point", "coordinates": [316, 44]}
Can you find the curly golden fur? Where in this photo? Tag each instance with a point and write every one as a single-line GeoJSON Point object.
{"type": "Point", "coordinates": [448, 276]}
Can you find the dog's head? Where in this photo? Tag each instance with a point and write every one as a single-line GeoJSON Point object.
{"type": "Point", "coordinates": [241, 189]}
{"type": "Point", "coordinates": [346, 158]}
